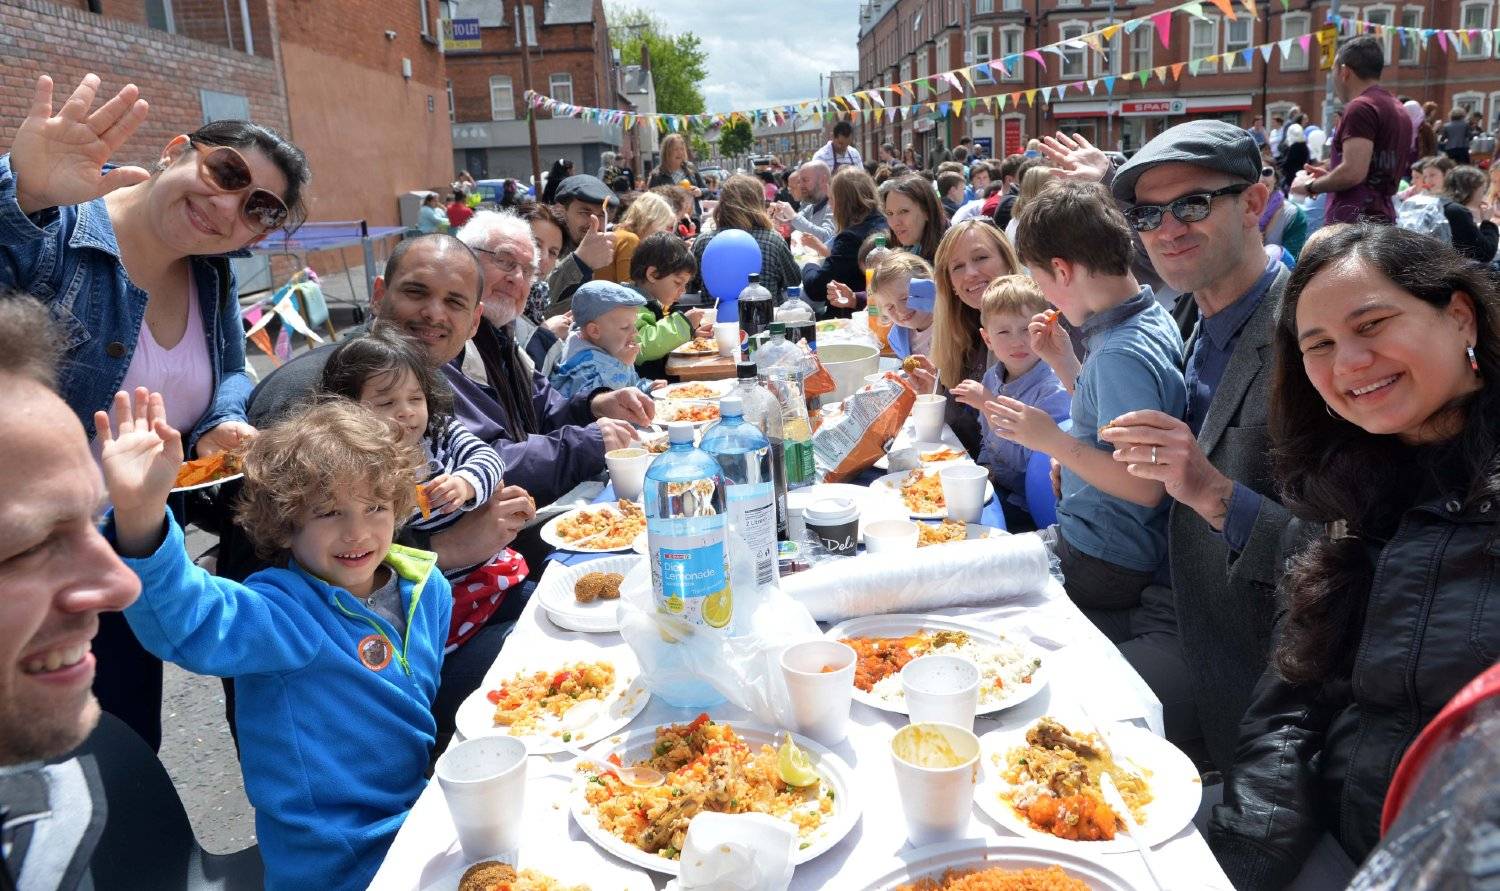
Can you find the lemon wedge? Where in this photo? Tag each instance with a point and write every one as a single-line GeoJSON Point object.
{"type": "Point", "coordinates": [793, 766]}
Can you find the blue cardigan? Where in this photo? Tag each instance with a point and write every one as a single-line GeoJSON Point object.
{"type": "Point", "coordinates": [842, 262]}
{"type": "Point", "coordinates": [334, 753]}
{"type": "Point", "coordinates": [67, 257]}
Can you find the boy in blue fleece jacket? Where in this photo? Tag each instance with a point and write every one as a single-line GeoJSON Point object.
{"type": "Point", "coordinates": [603, 347]}
{"type": "Point", "coordinates": [336, 657]}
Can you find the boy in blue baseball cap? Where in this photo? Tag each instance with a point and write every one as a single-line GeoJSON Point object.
{"type": "Point", "coordinates": [601, 350]}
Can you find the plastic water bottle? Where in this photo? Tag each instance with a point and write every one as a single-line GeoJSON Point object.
{"type": "Point", "coordinates": [785, 383]}
{"type": "Point", "coordinates": [744, 456]}
{"type": "Point", "coordinates": [686, 536]}
{"type": "Point", "coordinates": [762, 409]}
{"type": "Point", "coordinates": [756, 310]}
{"type": "Point", "coordinates": [794, 309]}
{"type": "Point", "coordinates": [778, 351]}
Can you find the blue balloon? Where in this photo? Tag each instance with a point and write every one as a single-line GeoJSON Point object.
{"type": "Point", "coordinates": [730, 258]}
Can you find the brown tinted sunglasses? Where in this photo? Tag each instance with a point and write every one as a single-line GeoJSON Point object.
{"type": "Point", "coordinates": [226, 170]}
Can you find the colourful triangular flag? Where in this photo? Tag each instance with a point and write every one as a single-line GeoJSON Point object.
{"type": "Point", "coordinates": [1177, 70]}
{"type": "Point", "coordinates": [1227, 8]}
{"type": "Point", "coordinates": [1162, 22]}
{"type": "Point", "coordinates": [1036, 57]}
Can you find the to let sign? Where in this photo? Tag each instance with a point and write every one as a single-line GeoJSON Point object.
{"type": "Point", "coordinates": [1154, 107]}
{"type": "Point", "coordinates": [463, 36]}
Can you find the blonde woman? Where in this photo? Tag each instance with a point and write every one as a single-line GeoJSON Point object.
{"type": "Point", "coordinates": [649, 213]}
{"type": "Point", "coordinates": [972, 254]}
{"type": "Point", "coordinates": [1032, 183]}
{"type": "Point", "coordinates": [676, 169]}
{"type": "Point", "coordinates": [742, 205]}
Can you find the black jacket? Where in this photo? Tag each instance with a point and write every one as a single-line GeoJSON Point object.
{"type": "Point", "coordinates": [842, 262]}
{"type": "Point", "coordinates": [1320, 757]}
{"type": "Point", "coordinates": [1477, 242]}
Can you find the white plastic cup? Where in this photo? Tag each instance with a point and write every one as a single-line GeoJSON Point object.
{"type": "Point", "coordinates": [727, 336]}
{"type": "Point", "coordinates": [927, 417]}
{"type": "Point", "coordinates": [484, 783]}
{"type": "Point", "coordinates": [891, 535]}
{"type": "Point", "coordinates": [627, 471]}
{"type": "Point", "coordinates": [963, 490]}
{"type": "Point", "coordinates": [820, 697]}
{"type": "Point", "coordinates": [941, 688]}
{"type": "Point", "coordinates": [937, 801]}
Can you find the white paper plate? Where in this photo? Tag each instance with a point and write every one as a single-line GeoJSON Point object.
{"type": "Point", "coordinates": [671, 391]}
{"type": "Point", "coordinates": [1016, 854]}
{"type": "Point", "coordinates": [476, 715]}
{"type": "Point", "coordinates": [552, 537]}
{"type": "Point", "coordinates": [972, 530]}
{"type": "Point", "coordinates": [572, 863]}
{"type": "Point", "coordinates": [687, 349]}
{"type": "Point", "coordinates": [920, 447]}
{"type": "Point", "coordinates": [666, 410]}
{"type": "Point", "coordinates": [892, 482]}
{"type": "Point", "coordinates": [1176, 788]}
{"type": "Point", "coordinates": [555, 593]}
{"type": "Point", "coordinates": [900, 625]}
{"type": "Point", "coordinates": [210, 483]}
{"type": "Point", "coordinates": [636, 746]}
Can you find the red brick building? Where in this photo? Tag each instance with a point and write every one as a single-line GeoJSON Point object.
{"type": "Point", "coordinates": [357, 84]}
{"type": "Point", "coordinates": [905, 39]}
{"type": "Point", "coordinates": [571, 61]}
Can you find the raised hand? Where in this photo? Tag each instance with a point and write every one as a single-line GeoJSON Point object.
{"type": "Point", "coordinates": [1075, 157]}
{"type": "Point", "coordinates": [56, 159]}
{"type": "Point", "coordinates": [597, 248]}
{"type": "Point", "coordinates": [140, 458]}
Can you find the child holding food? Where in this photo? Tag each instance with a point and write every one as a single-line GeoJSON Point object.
{"type": "Point", "coordinates": [387, 373]}
{"type": "Point", "coordinates": [336, 652]}
{"type": "Point", "coordinates": [600, 353]}
{"type": "Point", "coordinates": [1008, 306]}
{"type": "Point", "coordinates": [1111, 525]}
{"type": "Point", "coordinates": [660, 271]}
{"type": "Point", "coordinates": [890, 288]}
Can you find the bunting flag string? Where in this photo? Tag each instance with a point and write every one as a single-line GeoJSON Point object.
{"type": "Point", "coordinates": [902, 104]}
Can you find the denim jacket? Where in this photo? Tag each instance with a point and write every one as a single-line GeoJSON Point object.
{"type": "Point", "coordinates": [67, 257]}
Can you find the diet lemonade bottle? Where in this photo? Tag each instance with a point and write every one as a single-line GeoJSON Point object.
{"type": "Point", "coordinates": [686, 526]}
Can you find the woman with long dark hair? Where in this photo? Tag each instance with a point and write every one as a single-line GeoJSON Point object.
{"type": "Point", "coordinates": [915, 216]}
{"type": "Point", "coordinates": [1386, 430]}
{"type": "Point", "coordinates": [131, 263]}
{"type": "Point", "coordinates": [742, 205]}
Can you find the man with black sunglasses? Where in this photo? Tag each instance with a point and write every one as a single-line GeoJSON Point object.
{"type": "Point", "coordinates": [1195, 197]}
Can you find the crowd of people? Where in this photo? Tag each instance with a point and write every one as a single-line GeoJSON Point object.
{"type": "Point", "coordinates": [1225, 355]}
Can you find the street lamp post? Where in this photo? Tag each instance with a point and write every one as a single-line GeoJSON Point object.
{"type": "Point", "coordinates": [536, 152]}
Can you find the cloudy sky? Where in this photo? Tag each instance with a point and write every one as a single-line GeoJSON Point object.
{"type": "Point", "coordinates": [766, 52]}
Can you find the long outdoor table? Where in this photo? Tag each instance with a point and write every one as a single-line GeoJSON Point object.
{"type": "Point", "coordinates": [1085, 668]}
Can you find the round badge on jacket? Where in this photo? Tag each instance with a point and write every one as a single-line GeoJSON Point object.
{"type": "Point", "coordinates": [374, 651]}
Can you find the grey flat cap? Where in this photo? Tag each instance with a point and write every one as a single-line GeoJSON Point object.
{"type": "Point", "coordinates": [1211, 144]}
{"type": "Point", "coordinates": [583, 186]}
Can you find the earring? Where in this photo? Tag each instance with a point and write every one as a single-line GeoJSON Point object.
{"type": "Point", "coordinates": [1329, 409]}
{"type": "Point", "coordinates": [1473, 360]}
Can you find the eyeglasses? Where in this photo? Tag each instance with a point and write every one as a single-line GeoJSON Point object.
{"type": "Point", "coordinates": [225, 169]}
{"type": "Point", "coordinates": [508, 264]}
{"type": "Point", "coordinates": [1268, 171]}
{"type": "Point", "coordinates": [1187, 209]}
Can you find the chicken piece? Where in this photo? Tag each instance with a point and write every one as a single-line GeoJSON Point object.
{"type": "Point", "coordinates": [598, 586]}
{"type": "Point", "coordinates": [1049, 734]}
{"type": "Point", "coordinates": [672, 820]}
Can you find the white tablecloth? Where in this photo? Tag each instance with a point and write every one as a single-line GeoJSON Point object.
{"type": "Point", "coordinates": [1085, 668]}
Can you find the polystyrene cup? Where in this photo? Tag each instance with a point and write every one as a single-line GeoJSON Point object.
{"type": "Point", "coordinates": [820, 681]}
{"type": "Point", "coordinates": [727, 336]}
{"type": "Point", "coordinates": [927, 417]}
{"type": "Point", "coordinates": [941, 688]}
{"type": "Point", "coordinates": [627, 471]}
{"type": "Point", "coordinates": [937, 793]}
{"type": "Point", "coordinates": [963, 490]}
{"type": "Point", "coordinates": [891, 535]}
{"type": "Point", "coordinates": [484, 783]}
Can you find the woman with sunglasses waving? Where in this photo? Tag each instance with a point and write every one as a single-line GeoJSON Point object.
{"type": "Point", "coordinates": [132, 264]}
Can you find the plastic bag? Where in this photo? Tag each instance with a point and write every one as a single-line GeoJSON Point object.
{"type": "Point", "coordinates": [851, 441]}
{"type": "Point", "coordinates": [743, 665]}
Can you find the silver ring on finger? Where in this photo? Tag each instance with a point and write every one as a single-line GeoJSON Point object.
{"type": "Point", "coordinates": [1153, 454]}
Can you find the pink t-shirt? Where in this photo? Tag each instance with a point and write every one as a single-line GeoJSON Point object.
{"type": "Point", "coordinates": [181, 374]}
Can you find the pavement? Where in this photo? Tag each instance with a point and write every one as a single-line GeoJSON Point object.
{"type": "Point", "coordinates": [196, 748]}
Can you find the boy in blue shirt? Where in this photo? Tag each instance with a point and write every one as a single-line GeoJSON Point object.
{"type": "Point", "coordinates": [1005, 314]}
{"type": "Point", "coordinates": [1111, 526]}
{"type": "Point", "coordinates": [601, 351]}
{"type": "Point", "coordinates": [336, 655]}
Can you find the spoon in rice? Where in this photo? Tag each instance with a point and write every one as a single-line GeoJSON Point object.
{"type": "Point", "coordinates": [582, 715]}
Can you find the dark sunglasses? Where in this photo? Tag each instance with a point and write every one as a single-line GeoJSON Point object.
{"type": "Point", "coordinates": [1268, 171]}
{"type": "Point", "coordinates": [1187, 209]}
{"type": "Point", "coordinates": [226, 170]}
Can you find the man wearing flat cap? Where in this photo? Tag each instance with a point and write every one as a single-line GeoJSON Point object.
{"type": "Point", "coordinates": [586, 246]}
{"type": "Point", "coordinates": [1193, 196]}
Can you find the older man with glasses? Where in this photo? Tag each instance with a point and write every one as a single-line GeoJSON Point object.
{"type": "Point", "coordinates": [1194, 197]}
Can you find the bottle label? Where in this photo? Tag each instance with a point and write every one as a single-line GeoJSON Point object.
{"type": "Point", "coordinates": [799, 462]}
{"type": "Point", "coordinates": [689, 561]}
{"type": "Point", "coordinates": [752, 507]}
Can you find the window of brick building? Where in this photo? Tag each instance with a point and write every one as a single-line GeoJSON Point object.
{"type": "Point", "coordinates": [425, 18]}
{"type": "Point", "coordinates": [1237, 39]}
{"type": "Point", "coordinates": [560, 87]}
{"type": "Point", "coordinates": [979, 51]}
{"type": "Point", "coordinates": [1142, 46]}
{"type": "Point", "coordinates": [944, 63]}
{"type": "Point", "coordinates": [1411, 46]}
{"type": "Point", "coordinates": [452, 110]}
{"type": "Point", "coordinates": [1107, 60]}
{"type": "Point", "coordinates": [502, 99]}
{"type": "Point", "coordinates": [983, 6]}
{"type": "Point", "coordinates": [159, 16]}
{"type": "Point", "coordinates": [223, 106]}
{"type": "Point", "coordinates": [1203, 40]}
{"type": "Point", "coordinates": [1293, 26]}
{"type": "Point", "coordinates": [1075, 62]}
{"type": "Point", "coordinates": [1382, 15]}
{"type": "Point", "coordinates": [1475, 15]}
{"type": "Point", "coordinates": [1012, 44]}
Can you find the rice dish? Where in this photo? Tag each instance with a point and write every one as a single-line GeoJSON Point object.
{"type": "Point", "coordinates": [1054, 783]}
{"type": "Point", "coordinates": [707, 767]}
{"type": "Point", "coordinates": [1005, 670]}
{"type": "Point", "coordinates": [1000, 879]}
{"type": "Point", "coordinates": [524, 701]}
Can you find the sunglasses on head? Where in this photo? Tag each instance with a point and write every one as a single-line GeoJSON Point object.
{"type": "Point", "coordinates": [1187, 209]}
{"type": "Point", "coordinates": [226, 170]}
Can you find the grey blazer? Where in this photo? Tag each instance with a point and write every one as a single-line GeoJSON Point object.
{"type": "Point", "coordinates": [1226, 602]}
